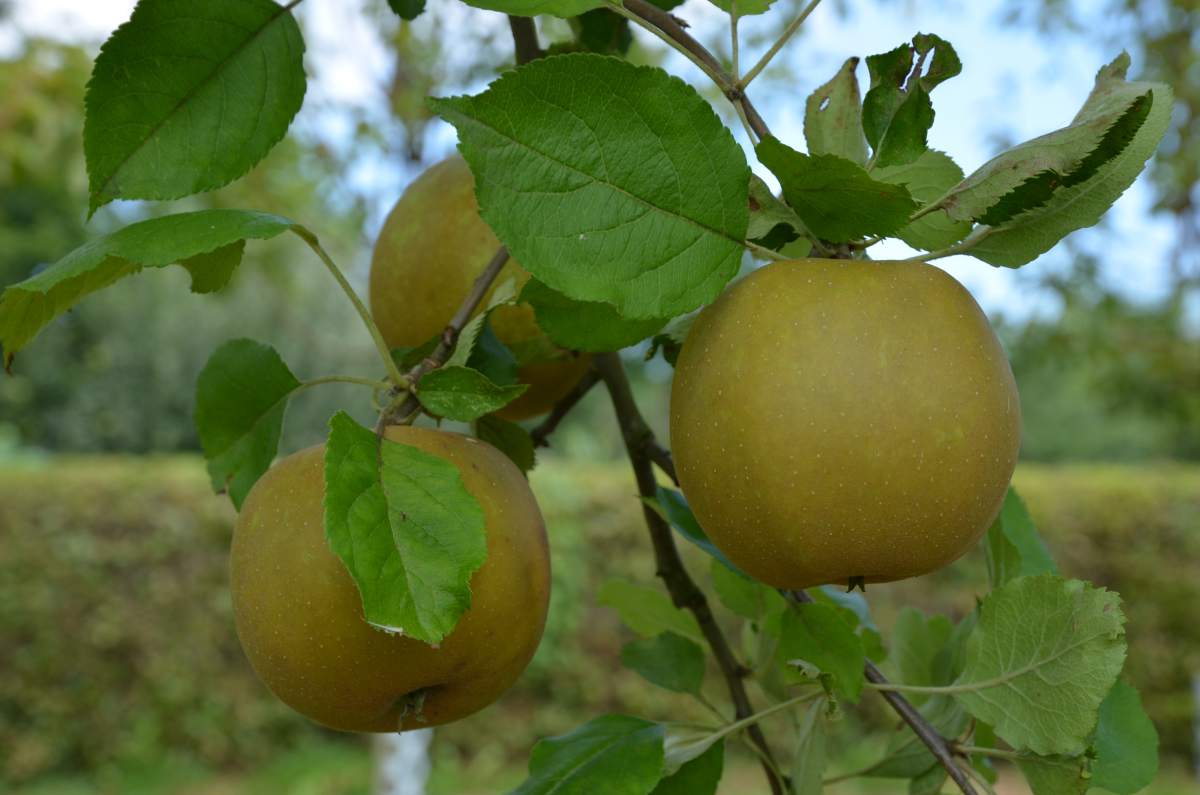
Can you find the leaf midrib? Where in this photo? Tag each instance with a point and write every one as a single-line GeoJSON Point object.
{"type": "Point", "coordinates": [616, 188]}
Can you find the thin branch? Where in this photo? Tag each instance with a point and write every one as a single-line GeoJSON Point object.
{"type": "Point", "coordinates": [656, 20]}
{"type": "Point", "coordinates": [683, 590]}
{"type": "Point", "coordinates": [526, 45]}
{"type": "Point", "coordinates": [525, 40]}
{"type": "Point", "coordinates": [937, 744]}
{"type": "Point", "coordinates": [762, 252]}
{"type": "Point", "coordinates": [541, 433]}
{"type": "Point", "coordinates": [734, 44]}
{"type": "Point", "coordinates": [787, 34]}
{"type": "Point", "coordinates": [385, 353]}
{"type": "Point", "coordinates": [441, 352]}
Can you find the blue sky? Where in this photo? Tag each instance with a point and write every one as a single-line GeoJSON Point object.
{"type": "Point", "coordinates": [1015, 85]}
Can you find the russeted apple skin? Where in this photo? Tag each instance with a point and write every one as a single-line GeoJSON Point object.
{"type": "Point", "coordinates": [299, 614]}
{"type": "Point", "coordinates": [431, 248]}
{"type": "Point", "coordinates": [835, 419]}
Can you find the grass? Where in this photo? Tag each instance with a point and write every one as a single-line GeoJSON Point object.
{"type": "Point", "coordinates": [134, 550]}
{"type": "Point", "coordinates": [341, 768]}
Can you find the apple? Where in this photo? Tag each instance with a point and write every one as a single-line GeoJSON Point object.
{"type": "Point", "coordinates": [844, 421]}
{"type": "Point", "coordinates": [299, 614]}
{"type": "Point", "coordinates": [432, 247]}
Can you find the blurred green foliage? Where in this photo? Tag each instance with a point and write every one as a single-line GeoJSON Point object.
{"type": "Point", "coordinates": [118, 372]}
{"type": "Point", "coordinates": [1107, 378]}
{"type": "Point", "coordinates": [120, 653]}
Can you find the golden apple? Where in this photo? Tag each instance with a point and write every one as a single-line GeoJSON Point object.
{"type": "Point", "coordinates": [299, 614]}
{"type": "Point", "coordinates": [432, 247]}
{"type": "Point", "coordinates": [837, 419]}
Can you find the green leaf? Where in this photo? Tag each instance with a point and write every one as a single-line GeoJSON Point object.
{"type": "Point", "coordinates": [493, 358]}
{"type": "Point", "coordinates": [905, 139]}
{"type": "Point", "coordinates": [407, 358]}
{"type": "Point", "coordinates": [1060, 153]}
{"type": "Point", "coordinates": [853, 601]}
{"type": "Point", "coordinates": [616, 183]}
{"type": "Point", "coordinates": [1013, 546]}
{"type": "Point", "coordinates": [186, 97]}
{"type": "Point", "coordinates": [833, 117]}
{"type": "Point", "coordinates": [1039, 192]}
{"type": "Point", "coordinates": [407, 9]}
{"type": "Point", "coordinates": [699, 776]}
{"type": "Point", "coordinates": [1044, 654]}
{"type": "Point", "coordinates": [927, 178]}
{"type": "Point", "coordinates": [984, 736]}
{"type": "Point", "coordinates": [743, 596]}
{"type": "Point", "coordinates": [505, 293]}
{"type": "Point", "coordinates": [808, 764]}
{"type": "Point", "coordinates": [1040, 188]}
{"type": "Point", "coordinates": [647, 611]}
{"type": "Point", "coordinates": [26, 307]}
{"type": "Point", "coordinates": [585, 325]}
{"type": "Point", "coordinates": [835, 198]}
{"type": "Point", "coordinates": [532, 8]}
{"type": "Point", "coordinates": [768, 212]}
{"type": "Point", "coordinates": [463, 394]}
{"type": "Point", "coordinates": [1125, 743]}
{"type": "Point", "coordinates": [945, 63]}
{"type": "Point", "coordinates": [745, 8]}
{"type": "Point", "coordinates": [1054, 775]}
{"type": "Point", "coordinates": [613, 754]}
{"type": "Point", "coordinates": [816, 634]}
{"type": "Point", "coordinates": [602, 30]}
{"type": "Point", "coordinates": [888, 71]}
{"type": "Point", "coordinates": [406, 527]}
{"type": "Point", "coordinates": [907, 756]}
{"type": "Point", "coordinates": [668, 660]}
{"type": "Point", "coordinates": [916, 641]}
{"type": "Point", "coordinates": [241, 395]}
{"type": "Point", "coordinates": [928, 783]}
{"type": "Point", "coordinates": [673, 507]}
{"type": "Point", "coordinates": [212, 270]}
{"type": "Point", "coordinates": [897, 111]}
{"type": "Point", "coordinates": [509, 438]}
{"type": "Point", "coordinates": [1078, 204]}
{"type": "Point", "coordinates": [949, 662]}
{"type": "Point", "coordinates": [683, 744]}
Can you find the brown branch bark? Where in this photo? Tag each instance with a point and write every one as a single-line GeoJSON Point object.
{"type": "Point", "coordinates": [669, 567]}
{"type": "Point", "coordinates": [525, 40]}
{"type": "Point", "coordinates": [445, 345]}
{"type": "Point", "coordinates": [938, 745]}
{"type": "Point", "coordinates": [541, 433]}
{"type": "Point", "coordinates": [670, 26]}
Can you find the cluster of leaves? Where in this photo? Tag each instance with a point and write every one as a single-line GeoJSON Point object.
{"type": "Point", "coordinates": [1050, 701]}
{"type": "Point", "coordinates": [620, 190]}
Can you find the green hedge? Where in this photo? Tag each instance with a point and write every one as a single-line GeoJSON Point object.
{"type": "Point", "coordinates": [118, 642]}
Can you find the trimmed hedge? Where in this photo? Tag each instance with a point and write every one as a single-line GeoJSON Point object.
{"type": "Point", "coordinates": [119, 649]}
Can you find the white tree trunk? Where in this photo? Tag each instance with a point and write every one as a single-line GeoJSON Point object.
{"type": "Point", "coordinates": [402, 762]}
{"type": "Point", "coordinates": [1196, 724]}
